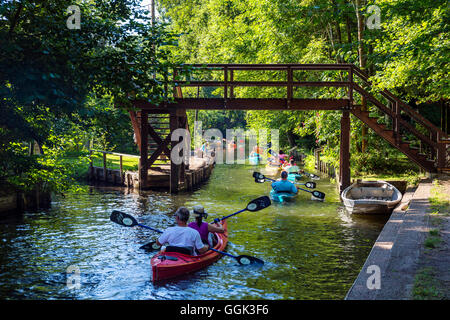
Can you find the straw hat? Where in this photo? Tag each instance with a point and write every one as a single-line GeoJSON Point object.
{"type": "Point", "coordinates": [199, 211]}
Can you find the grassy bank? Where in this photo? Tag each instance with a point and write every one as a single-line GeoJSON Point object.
{"type": "Point", "coordinates": [78, 163]}
{"type": "Point", "coordinates": [405, 171]}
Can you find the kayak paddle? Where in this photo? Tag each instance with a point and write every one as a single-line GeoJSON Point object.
{"type": "Point", "coordinates": [311, 175]}
{"type": "Point", "coordinates": [253, 206]}
{"type": "Point", "coordinates": [127, 220]}
{"type": "Point", "coordinates": [260, 178]}
{"type": "Point", "coordinates": [242, 259]}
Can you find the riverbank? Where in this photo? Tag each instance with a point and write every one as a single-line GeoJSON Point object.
{"type": "Point", "coordinates": [15, 200]}
{"type": "Point", "coordinates": [410, 258]}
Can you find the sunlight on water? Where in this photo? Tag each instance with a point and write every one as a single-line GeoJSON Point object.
{"type": "Point", "coordinates": [312, 250]}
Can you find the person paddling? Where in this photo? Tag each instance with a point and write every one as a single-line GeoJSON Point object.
{"type": "Point", "coordinates": [292, 167]}
{"type": "Point", "coordinates": [284, 185]}
{"type": "Point", "coordinates": [204, 228]}
{"type": "Point", "coordinates": [181, 238]}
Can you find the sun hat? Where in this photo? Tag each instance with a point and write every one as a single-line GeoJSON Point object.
{"type": "Point", "coordinates": [199, 211]}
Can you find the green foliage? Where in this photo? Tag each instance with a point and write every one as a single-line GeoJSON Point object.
{"type": "Point", "coordinates": [412, 49]}
{"type": "Point", "coordinates": [426, 286]}
{"type": "Point", "coordinates": [407, 55]}
{"type": "Point", "coordinates": [59, 87]}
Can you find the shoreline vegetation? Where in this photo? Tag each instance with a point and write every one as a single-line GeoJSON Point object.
{"type": "Point", "coordinates": [79, 162]}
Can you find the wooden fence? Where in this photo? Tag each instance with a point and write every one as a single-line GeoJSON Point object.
{"type": "Point", "coordinates": [322, 166]}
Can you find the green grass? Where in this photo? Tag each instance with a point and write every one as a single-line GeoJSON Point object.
{"type": "Point", "coordinates": [434, 232]}
{"type": "Point", "coordinates": [412, 178]}
{"type": "Point", "coordinates": [432, 241]}
{"type": "Point", "coordinates": [439, 200]}
{"type": "Point", "coordinates": [113, 162]}
{"type": "Point", "coordinates": [78, 163]}
{"type": "Point", "coordinates": [426, 286]}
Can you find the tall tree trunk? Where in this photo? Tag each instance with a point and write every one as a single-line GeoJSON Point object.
{"type": "Point", "coordinates": [348, 29]}
{"type": "Point", "coordinates": [362, 64]}
{"type": "Point", "coordinates": [291, 139]}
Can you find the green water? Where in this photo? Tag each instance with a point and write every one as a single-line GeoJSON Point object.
{"type": "Point", "coordinates": [312, 250]}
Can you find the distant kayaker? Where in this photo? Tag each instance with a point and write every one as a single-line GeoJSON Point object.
{"type": "Point", "coordinates": [292, 167]}
{"type": "Point", "coordinates": [204, 228]}
{"type": "Point", "coordinates": [284, 185]}
{"type": "Point", "coordinates": [181, 238]}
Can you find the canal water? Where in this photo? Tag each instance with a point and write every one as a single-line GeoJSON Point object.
{"type": "Point", "coordinates": [312, 250]}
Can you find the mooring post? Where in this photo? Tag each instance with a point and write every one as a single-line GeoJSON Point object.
{"type": "Point", "coordinates": [105, 170]}
{"type": "Point", "coordinates": [143, 160]}
{"type": "Point", "coordinates": [121, 169]}
{"type": "Point", "coordinates": [344, 154]}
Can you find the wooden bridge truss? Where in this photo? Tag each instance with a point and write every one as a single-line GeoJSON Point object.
{"type": "Point", "coordinates": [286, 87]}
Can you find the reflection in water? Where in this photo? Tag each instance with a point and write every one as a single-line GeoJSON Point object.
{"type": "Point", "coordinates": [312, 250]}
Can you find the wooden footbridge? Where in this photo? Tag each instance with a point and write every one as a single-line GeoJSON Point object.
{"type": "Point", "coordinates": [288, 87]}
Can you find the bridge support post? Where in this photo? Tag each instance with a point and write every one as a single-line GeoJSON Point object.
{"type": "Point", "coordinates": [143, 160]}
{"type": "Point", "coordinates": [178, 119]}
{"type": "Point", "coordinates": [344, 154]}
{"type": "Point", "coordinates": [174, 168]}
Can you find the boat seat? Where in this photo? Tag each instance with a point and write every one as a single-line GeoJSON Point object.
{"type": "Point", "coordinates": [183, 250]}
{"type": "Point", "coordinates": [371, 193]}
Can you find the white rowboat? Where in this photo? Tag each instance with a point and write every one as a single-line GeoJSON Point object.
{"type": "Point", "coordinates": [371, 197]}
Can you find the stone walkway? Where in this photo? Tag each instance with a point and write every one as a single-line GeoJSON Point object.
{"type": "Point", "coordinates": [399, 252]}
{"type": "Point", "coordinates": [437, 260]}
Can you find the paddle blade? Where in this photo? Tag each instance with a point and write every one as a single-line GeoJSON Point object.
{"type": "Point", "coordinates": [246, 260]}
{"type": "Point", "coordinates": [317, 195]}
{"type": "Point", "coordinates": [310, 184]}
{"type": "Point", "coordinates": [313, 176]}
{"type": "Point", "coordinates": [123, 219]}
{"type": "Point", "coordinates": [259, 178]}
{"type": "Point", "coordinates": [258, 204]}
{"type": "Point", "coordinates": [150, 247]}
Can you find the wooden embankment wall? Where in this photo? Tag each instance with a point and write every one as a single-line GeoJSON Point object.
{"type": "Point", "coordinates": [198, 171]}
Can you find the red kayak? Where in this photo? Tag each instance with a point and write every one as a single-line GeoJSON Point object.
{"type": "Point", "coordinates": [166, 265]}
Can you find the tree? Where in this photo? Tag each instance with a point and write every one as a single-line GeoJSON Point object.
{"type": "Point", "coordinates": [48, 70]}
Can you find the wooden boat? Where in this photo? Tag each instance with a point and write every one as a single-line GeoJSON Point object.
{"type": "Point", "coordinates": [371, 197]}
{"type": "Point", "coordinates": [167, 265]}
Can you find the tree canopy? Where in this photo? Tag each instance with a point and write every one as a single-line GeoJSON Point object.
{"type": "Point", "coordinates": [49, 73]}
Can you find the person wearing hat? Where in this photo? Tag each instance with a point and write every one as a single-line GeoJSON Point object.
{"type": "Point", "coordinates": [204, 228]}
{"type": "Point", "coordinates": [181, 238]}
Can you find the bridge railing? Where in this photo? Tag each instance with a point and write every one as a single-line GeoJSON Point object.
{"type": "Point", "coordinates": [396, 115]}
{"type": "Point", "coordinates": [227, 74]}
{"type": "Point", "coordinates": [405, 121]}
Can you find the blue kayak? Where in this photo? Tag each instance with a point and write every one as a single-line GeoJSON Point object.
{"type": "Point", "coordinates": [294, 177]}
{"type": "Point", "coordinates": [282, 196]}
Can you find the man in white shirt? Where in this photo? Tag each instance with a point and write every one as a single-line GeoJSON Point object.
{"type": "Point", "coordinates": [181, 236]}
